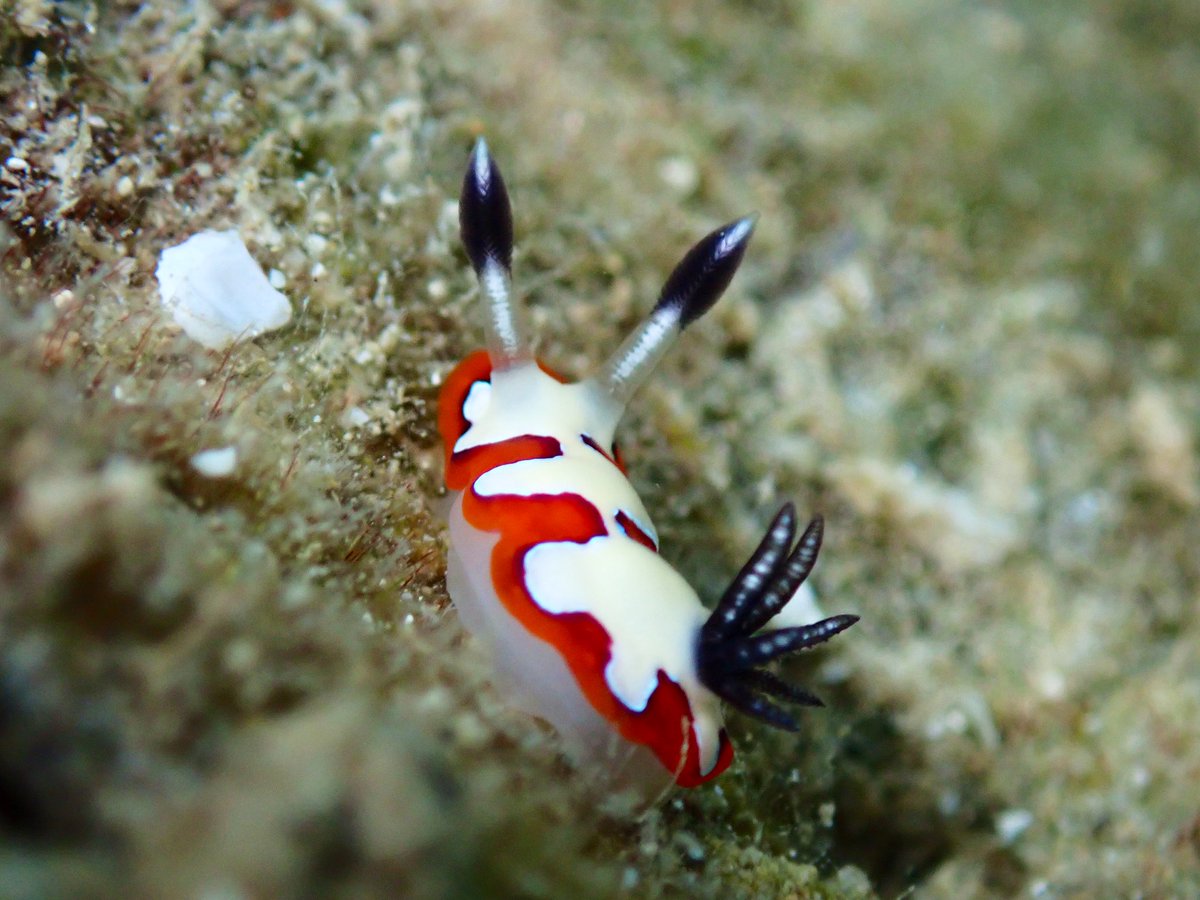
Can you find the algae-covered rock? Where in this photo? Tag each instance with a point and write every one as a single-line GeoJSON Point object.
{"type": "Point", "coordinates": [965, 332]}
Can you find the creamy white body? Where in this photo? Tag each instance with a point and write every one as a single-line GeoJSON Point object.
{"type": "Point", "coordinates": [652, 615]}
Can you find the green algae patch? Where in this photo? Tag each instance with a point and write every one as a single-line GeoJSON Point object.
{"type": "Point", "coordinates": [964, 332]}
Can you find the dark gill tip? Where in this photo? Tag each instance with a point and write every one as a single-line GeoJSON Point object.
{"type": "Point", "coordinates": [756, 577]}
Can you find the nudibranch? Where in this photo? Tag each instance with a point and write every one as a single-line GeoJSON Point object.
{"type": "Point", "coordinates": [553, 558]}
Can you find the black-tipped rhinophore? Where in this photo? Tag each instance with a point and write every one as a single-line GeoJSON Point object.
{"type": "Point", "coordinates": [484, 213]}
{"type": "Point", "coordinates": [729, 655]}
{"type": "Point", "coordinates": [703, 274]}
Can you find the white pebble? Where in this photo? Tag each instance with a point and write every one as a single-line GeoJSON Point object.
{"type": "Point", "coordinates": [680, 174]}
{"type": "Point", "coordinates": [216, 463]}
{"type": "Point", "coordinates": [1012, 823]}
{"type": "Point", "coordinates": [216, 292]}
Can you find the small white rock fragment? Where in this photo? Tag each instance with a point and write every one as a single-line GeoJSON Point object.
{"type": "Point", "coordinates": [826, 813]}
{"type": "Point", "coordinates": [216, 463]}
{"type": "Point", "coordinates": [216, 292]}
{"type": "Point", "coordinates": [277, 279]}
{"type": "Point", "coordinates": [1012, 823]}
{"type": "Point", "coordinates": [1051, 684]}
{"type": "Point", "coordinates": [680, 174]}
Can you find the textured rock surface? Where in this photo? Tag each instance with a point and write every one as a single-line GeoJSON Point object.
{"type": "Point", "coordinates": [965, 332]}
